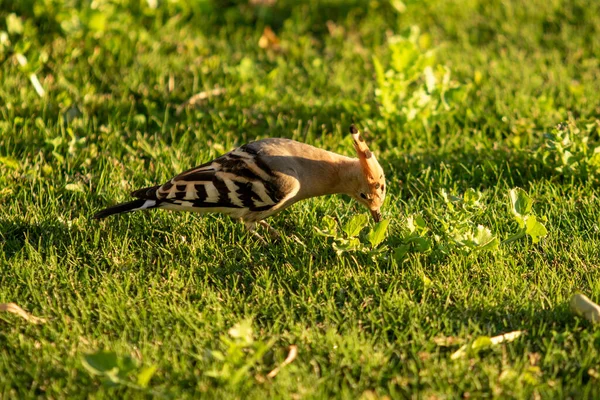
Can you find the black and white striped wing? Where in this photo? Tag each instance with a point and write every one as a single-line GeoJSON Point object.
{"type": "Point", "coordinates": [235, 183]}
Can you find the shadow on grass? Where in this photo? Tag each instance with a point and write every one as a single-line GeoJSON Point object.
{"type": "Point", "coordinates": [426, 173]}
{"type": "Point", "coordinates": [14, 235]}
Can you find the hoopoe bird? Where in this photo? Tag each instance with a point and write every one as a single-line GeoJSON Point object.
{"type": "Point", "coordinates": [259, 179]}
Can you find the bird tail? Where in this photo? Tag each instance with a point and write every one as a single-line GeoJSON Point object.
{"type": "Point", "coordinates": [135, 205]}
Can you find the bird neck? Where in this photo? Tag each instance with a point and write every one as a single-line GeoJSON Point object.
{"type": "Point", "coordinates": [339, 175]}
{"type": "Point", "coordinates": [349, 177]}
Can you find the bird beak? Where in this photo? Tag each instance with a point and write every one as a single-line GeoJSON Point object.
{"type": "Point", "coordinates": [376, 215]}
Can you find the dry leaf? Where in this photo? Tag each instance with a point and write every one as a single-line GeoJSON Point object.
{"type": "Point", "coordinates": [171, 84]}
{"type": "Point", "coordinates": [447, 341]}
{"type": "Point", "coordinates": [266, 3]}
{"type": "Point", "coordinates": [583, 306]}
{"type": "Point", "coordinates": [372, 395]}
{"type": "Point", "coordinates": [507, 337]}
{"type": "Point", "coordinates": [200, 97]}
{"type": "Point", "coordinates": [290, 357]}
{"type": "Point", "coordinates": [22, 60]}
{"type": "Point", "coordinates": [484, 341]}
{"type": "Point", "coordinates": [15, 309]}
{"type": "Point", "coordinates": [334, 29]}
{"type": "Point", "coordinates": [269, 40]}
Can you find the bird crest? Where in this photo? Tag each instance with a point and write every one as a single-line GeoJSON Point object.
{"type": "Point", "coordinates": [369, 165]}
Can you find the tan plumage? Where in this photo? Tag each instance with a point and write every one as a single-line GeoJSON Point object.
{"type": "Point", "coordinates": [261, 178]}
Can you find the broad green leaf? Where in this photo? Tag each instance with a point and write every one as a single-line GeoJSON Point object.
{"type": "Point", "coordinates": [520, 221]}
{"type": "Point", "coordinates": [422, 244]}
{"type": "Point", "coordinates": [416, 223]}
{"type": "Point", "coordinates": [9, 162]}
{"type": "Point", "coordinates": [535, 229]}
{"type": "Point", "coordinates": [126, 365]}
{"type": "Point", "coordinates": [343, 245]}
{"type": "Point", "coordinates": [400, 252]}
{"type": "Point", "coordinates": [101, 362]}
{"type": "Point", "coordinates": [329, 227]}
{"type": "Point", "coordinates": [378, 233]}
{"type": "Point", "coordinates": [144, 376]}
{"type": "Point", "coordinates": [484, 239]}
{"type": "Point", "coordinates": [520, 202]}
{"type": "Point", "coordinates": [356, 224]}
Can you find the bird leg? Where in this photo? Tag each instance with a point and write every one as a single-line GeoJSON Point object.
{"type": "Point", "coordinates": [250, 227]}
{"type": "Point", "coordinates": [272, 231]}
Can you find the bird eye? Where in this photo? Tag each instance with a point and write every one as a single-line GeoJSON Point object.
{"type": "Point", "coordinates": [383, 188]}
{"type": "Point", "coordinates": [364, 196]}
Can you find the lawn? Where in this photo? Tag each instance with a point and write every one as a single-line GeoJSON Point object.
{"type": "Point", "coordinates": [485, 116]}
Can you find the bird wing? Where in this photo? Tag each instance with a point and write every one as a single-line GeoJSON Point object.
{"type": "Point", "coordinates": [237, 180]}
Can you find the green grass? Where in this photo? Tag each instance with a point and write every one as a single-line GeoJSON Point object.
{"type": "Point", "coordinates": [165, 288]}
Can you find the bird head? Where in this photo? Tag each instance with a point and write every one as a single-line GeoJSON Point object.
{"type": "Point", "coordinates": [371, 189]}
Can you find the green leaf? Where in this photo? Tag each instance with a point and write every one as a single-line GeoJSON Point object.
{"type": "Point", "coordinates": [329, 227]}
{"type": "Point", "coordinates": [378, 233]}
{"type": "Point", "coordinates": [217, 355]}
{"type": "Point", "coordinates": [398, 5]}
{"type": "Point", "coordinates": [144, 376]}
{"type": "Point", "coordinates": [484, 239]}
{"type": "Point", "coordinates": [14, 25]}
{"type": "Point", "coordinates": [426, 281]}
{"type": "Point", "coordinates": [535, 229]}
{"type": "Point", "coordinates": [520, 202]}
{"type": "Point", "coordinates": [356, 224]}
{"type": "Point", "coordinates": [482, 342]}
{"type": "Point", "coordinates": [430, 79]}
{"type": "Point", "coordinates": [404, 55]}
{"type": "Point", "coordinates": [342, 245]}
{"type": "Point", "coordinates": [478, 344]}
{"type": "Point", "coordinates": [472, 197]}
{"type": "Point", "coordinates": [56, 142]}
{"type": "Point", "coordinates": [75, 187]}
{"type": "Point", "coordinates": [9, 162]}
{"type": "Point", "coordinates": [101, 362]}
{"type": "Point", "coordinates": [422, 244]}
{"type": "Point", "coordinates": [242, 331]}
{"type": "Point", "coordinates": [97, 21]}
{"type": "Point", "coordinates": [400, 252]}
{"type": "Point", "coordinates": [126, 365]}
{"type": "Point", "coordinates": [246, 69]}
{"type": "Point", "coordinates": [416, 223]}
{"type": "Point", "coordinates": [379, 72]}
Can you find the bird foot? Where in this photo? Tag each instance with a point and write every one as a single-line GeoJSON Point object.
{"type": "Point", "coordinates": [272, 231]}
{"type": "Point", "coordinates": [251, 227]}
